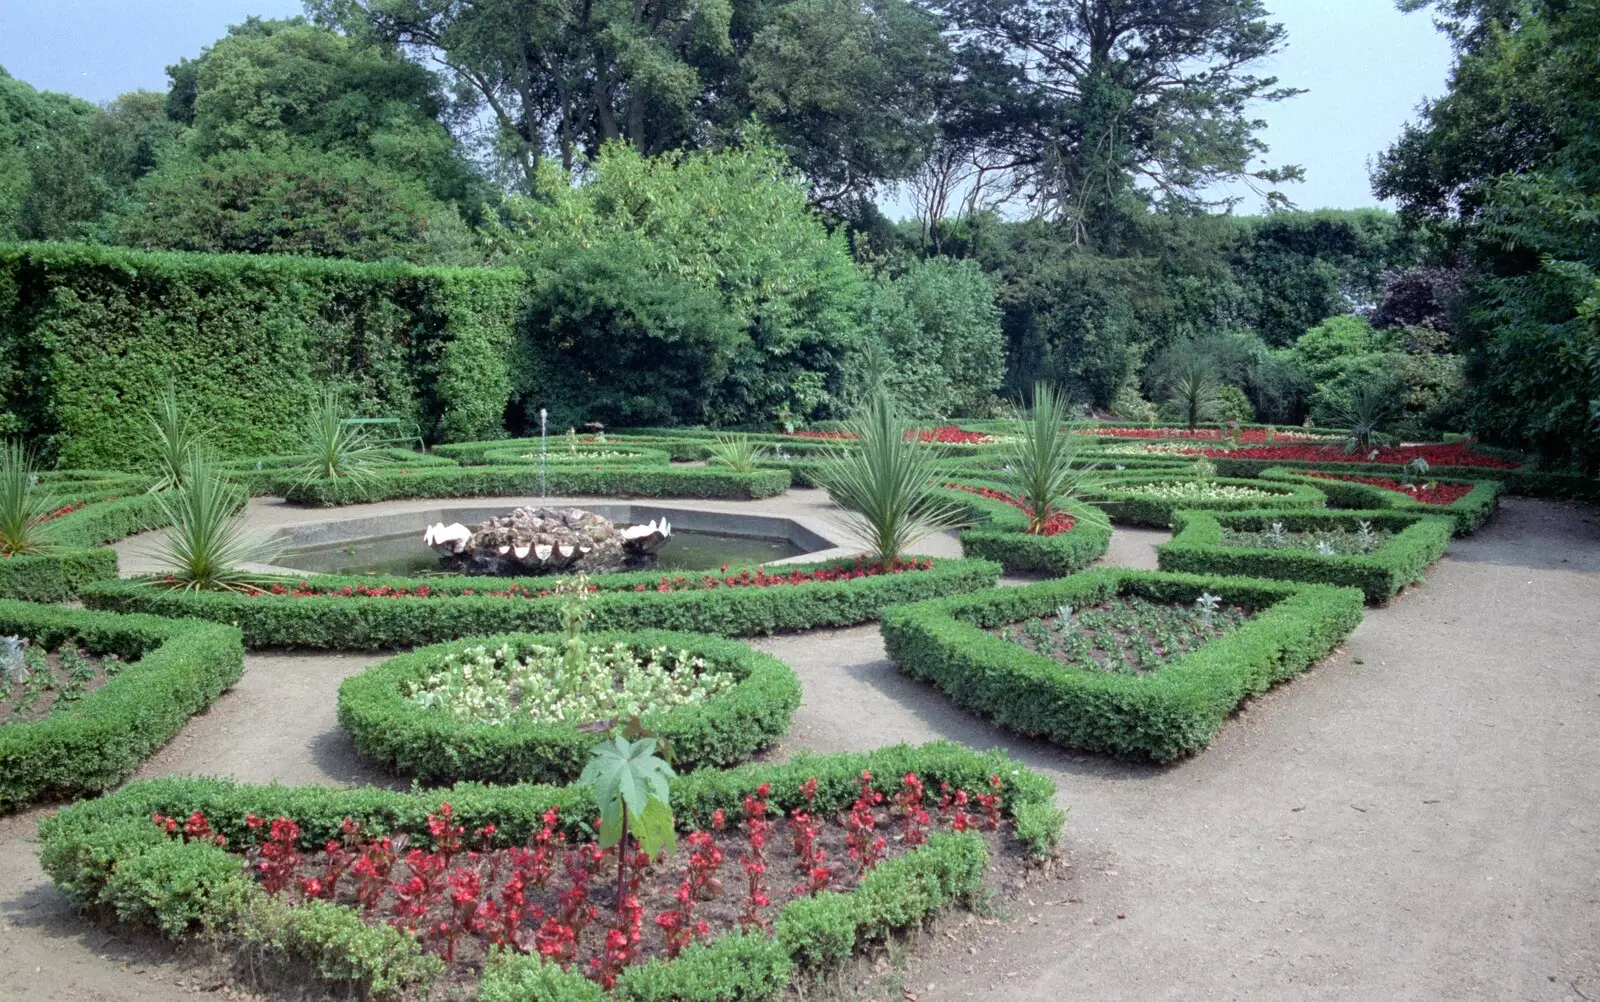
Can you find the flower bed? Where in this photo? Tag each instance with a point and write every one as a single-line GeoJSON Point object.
{"type": "Point", "coordinates": [1456, 454]}
{"type": "Point", "coordinates": [37, 681]}
{"type": "Point", "coordinates": [369, 613]}
{"type": "Point", "coordinates": [1405, 544]}
{"type": "Point", "coordinates": [123, 852]}
{"type": "Point", "coordinates": [593, 455]}
{"type": "Point", "coordinates": [949, 434]}
{"type": "Point", "coordinates": [1161, 715]}
{"type": "Point", "coordinates": [1248, 436]}
{"type": "Point", "coordinates": [746, 709]}
{"type": "Point", "coordinates": [1055, 525]}
{"type": "Point", "coordinates": [1125, 634]}
{"type": "Point", "coordinates": [171, 671]}
{"type": "Point", "coordinates": [999, 532]}
{"type": "Point", "coordinates": [1150, 499]}
{"type": "Point", "coordinates": [559, 479]}
{"type": "Point", "coordinates": [1473, 505]}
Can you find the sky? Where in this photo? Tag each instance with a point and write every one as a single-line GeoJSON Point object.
{"type": "Point", "coordinates": [1365, 65]}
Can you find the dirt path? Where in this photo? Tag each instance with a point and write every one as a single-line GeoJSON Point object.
{"type": "Point", "coordinates": [1416, 819]}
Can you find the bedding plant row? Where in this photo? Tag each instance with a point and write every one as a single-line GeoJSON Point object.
{"type": "Point", "coordinates": [499, 889]}
{"type": "Point", "coordinates": [1151, 498]}
{"type": "Point", "coordinates": [1467, 503]}
{"type": "Point", "coordinates": [165, 672]}
{"type": "Point", "coordinates": [375, 613]}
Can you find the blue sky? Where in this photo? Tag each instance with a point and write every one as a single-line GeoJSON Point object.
{"type": "Point", "coordinates": [1366, 67]}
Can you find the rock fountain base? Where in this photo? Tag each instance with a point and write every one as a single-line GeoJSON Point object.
{"type": "Point", "coordinates": [545, 541]}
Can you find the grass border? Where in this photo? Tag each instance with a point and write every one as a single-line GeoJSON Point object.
{"type": "Point", "coordinates": [1165, 715]}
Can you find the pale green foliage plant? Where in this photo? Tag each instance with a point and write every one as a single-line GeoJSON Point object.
{"type": "Point", "coordinates": [331, 448]}
{"type": "Point", "coordinates": [885, 482]}
{"type": "Point", "coordinates": [206, 542]}
{"type": "Point", "coordinates": [173, 438]}
{"type": "Point", "coordinates": [1042, 469]}
{"type": "Point", "coordinates": [739, 453]}
{"type": "Point", "coordinates": [630, 783]}
{"type": "Point", "coordinates": [24, 508]}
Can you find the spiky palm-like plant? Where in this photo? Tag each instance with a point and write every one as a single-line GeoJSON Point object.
{"type": "Point", "coordinates": [206, 543]}
{"type": "Point", "coordinates": [1195, 392]}
{"type": "Point", "coordinates": [738, 453]}
{"type": "Point", "coordinates": [172, 439]}
{"type": "Point", "coordinates": [1370, 407]}
{"type": "Point", "coordinates": [331, 448]}
{"type": "Point", "coordinates": [1042, 469]}
{"type": "Point", "coordinates": [886, 483]}
{"type": "Point", "coordinates": [24, 508]}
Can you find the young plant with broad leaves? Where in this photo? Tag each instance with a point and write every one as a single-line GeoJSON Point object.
{"type": "Point", "coordinates": [206, 542]}
{"type": "Point", "coordinates": [630, 783]}
{"type": "Point", "coordinates": [1042, 469]}
{"type": "Point", "coordinates": [334, 449]}
{"type": "Point", "coordinates": [24, 509]}
{"type": "Point", "coordinates": [173, 439]}
{"type": "Point", "coordinates": [739, 453]}
{"type": "Point", "coordinates": [886, 484]}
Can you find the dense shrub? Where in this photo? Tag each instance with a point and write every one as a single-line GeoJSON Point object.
{"type": "Point", "coordinates": [437, 747]}
{"type": "Point", "coordinates": [459, 607]}
{"type": "Point", "coordinates": [248, 342]}
{"type": "Point", "coordinates": [1402, 559]}
{"type": "Point", "coordinates": [1161, 716]}
{"type": "Point", "coordinates": [180, 669]}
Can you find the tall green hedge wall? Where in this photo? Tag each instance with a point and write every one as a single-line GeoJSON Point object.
{"type": "Point", "coordinates": [90, 335]}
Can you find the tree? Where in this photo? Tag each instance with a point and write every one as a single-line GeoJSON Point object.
{"type": "Point", "coordinates": [1506, 168]}
{"type": "Point", "coordinates": [937, 330]}
{"type": "Point", "coordinates": [1101, 105]}
{"type": "Point", "coordinates": [693, 288]}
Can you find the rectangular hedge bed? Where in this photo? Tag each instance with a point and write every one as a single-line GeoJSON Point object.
{"type": "Point", "coordinates": [1170, 712]}
{"type": "Point", "coordinates": [117, 854]}
{"type": "Point", "coordinates": [1414, 541]}
{"type": "Point", "coordinates": [999, 532]}
{"type": "Point", "coordinates": [488, 481]}
{"type": "Point", "coordinates": [174, 670]}
{"type": "Point", "coordinates": [1468, 513]}
{"type": "Point", "coordinates": [371, 613]}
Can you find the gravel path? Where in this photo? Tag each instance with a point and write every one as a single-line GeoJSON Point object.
{"type": "Point", "coordinates": [1416, 819]}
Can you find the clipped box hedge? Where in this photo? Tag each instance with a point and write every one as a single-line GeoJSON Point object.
{"type": "Point", "coordinates": [999, 532]}
{"type": "Point", "coordinates": [1467, 514]}
{"type": "Point", "coordinates": [491, 481]}
{"type": "Point", "coordinates": [107, 853]}
{"type": "Point", "coordinates": [1114, 495]}
{"type": "Point", "coordinates": [56, 576]}
{"type": "Point", "coordinates": [588, 455]}
{"type": "Point", "coordinates": [1173, 711]}
{"type": "Point", "coordinates": [624, 602]}
{"type": "Point", "coordinates": [1418, 541]}
{"type": "Point", "coordinates": [437, 747]}
{"type": "Point", "coordinates": [176, 670]}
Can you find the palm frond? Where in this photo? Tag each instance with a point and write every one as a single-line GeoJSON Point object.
{"type": "Point", "coordinates": [1042, 469]}
{"type": "Point", "coordinates": [738, 453]}
{"type": "Point", "coordinates": [172, 438]}
{"type": "Point", "coordinates": [206, 543]}
{"type": "Point", "coordinates": [24, 508]}
{"type": "Point", "coordinates": [331, 448]}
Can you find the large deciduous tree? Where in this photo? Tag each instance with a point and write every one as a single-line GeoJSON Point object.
{"type": "Point", "coordinates": [1092, 107]}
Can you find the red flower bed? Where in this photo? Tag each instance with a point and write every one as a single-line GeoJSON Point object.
{"type": "Point", "coordinates": [949, 434]}
{"type": "Point", "coordinates": [1456, 454]}
{"type": "Point", "coordinates": [745, 578]}
{"type": "Point", "coordinates": [563, 900]}
{"type": "Point", "coordinates": [1433, 493]}
{"type": "Point", "coordinates": [1055, 525]}
{"type": "Point", "coordinates": [72, 506]}
{"type": "Point", "coordinates": [1247, 435]}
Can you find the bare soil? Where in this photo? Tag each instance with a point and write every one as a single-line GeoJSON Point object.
{"type": "Point", "coordinates": [1416, 819]}
{"type": "Point", "coordinates": [56, 684]}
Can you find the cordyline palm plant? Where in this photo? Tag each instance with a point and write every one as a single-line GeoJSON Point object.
{"type": "Point", "coordinates": [1369, 408]}
{"type": "Point", "coordinates": [886, 483]}
{"type": "Point", "coordinates": [206, 543]}
{"type": "Point", "coordinates": [1194, 391]}
{"type": "Point", "coordinates": [172, 439]}
{"type": "Point", "coordinates": [333, 449]}
{"type": "Point", "coordinates": [1042, 469]}
{"type": "Point", "coordinates": [738, 453]}
{"type": "Point", "coordinates": [24, 509]}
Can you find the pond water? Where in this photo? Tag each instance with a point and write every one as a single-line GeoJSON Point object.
{"type": "Point", "coordinates": [406, 555]}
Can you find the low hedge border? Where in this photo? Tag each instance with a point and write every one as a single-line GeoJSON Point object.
{"type": "Point", "coordinates": [678, 449]}
{"type": "Point", "coordinates": [999, 532]}
{"type": "Point", "coordinates": [180, 669]}
{"type": "Point", "coordinates": [1467, 514]}
{"type": "Point", "coordinates": [360, 622]}
{"type": "Point", "coordinates": [1531, 483]}
{"type": "Point", "coordinates": [1417, 542]}
{"type": "Point", "coordinates": [1123, 505]}
{"type": "Point", "coordinates": [437, 747]}
{"type": "Point", "coordinates": [106, 853]}
{"type": "Point", "coordinates": [488, 481]}
{"type": "Point", "coordinates": [56, 576]}
{"type": "Point", "coordinates": [623, 455]}
{"type": "Point", "coordinates": [1164, 715]}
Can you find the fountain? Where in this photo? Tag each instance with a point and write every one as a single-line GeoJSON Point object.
{"type": "Point", "coordinates": [545, 540]}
